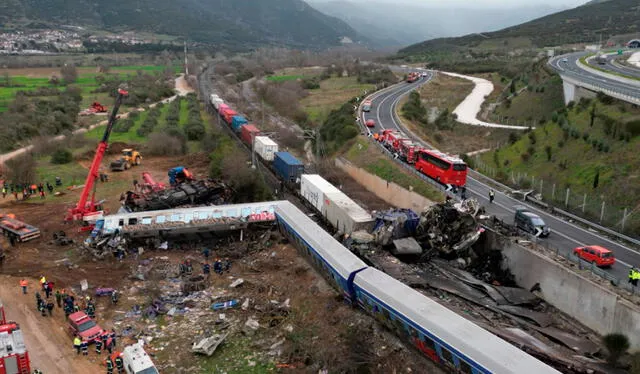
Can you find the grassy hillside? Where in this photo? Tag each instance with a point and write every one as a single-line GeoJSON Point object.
{"type": "Point", "coordinates": [235, 24]}
{"type": "Point", "coordinates": [578, 25]}
{"type": "Point", "coordinates": [531, 98]}
{"type": "Point", "coordinates": [599, 160]}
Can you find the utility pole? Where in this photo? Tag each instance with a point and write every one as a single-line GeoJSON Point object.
{"type": "Point", "coordinates": [186, 61]}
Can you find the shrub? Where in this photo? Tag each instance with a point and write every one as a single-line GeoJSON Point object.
{"type": "Point", "coordinates": [163, 144]}
{"type": "Point", "coordinates": [525, 156]}
{"type": "Point", "coordinates": [616, 344]}
{"type": "Point", "coordinates": [548, 151]}
{"type": "Point", "coordinates": [532, 137]}
{"type": "Point", "coordinates": [561, 144]}
{"type": "Point", "coordinates": [61, 156]}
{"type": "Point", "coordinates": [531, 150]}
{"type": "Point", "coordinates": [585, 136]}
{"type": "Point", "coordinates": [633, 128]}
{"type": "Point", "coordinates": [194, 131]}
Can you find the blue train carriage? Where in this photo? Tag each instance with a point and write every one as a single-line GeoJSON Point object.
{"type": "Point", "coordinates": [288, 168]}
{"type": "Point", "coordinates": [442, 335]}
{"type": "Point", "coordinates": [332, 259]}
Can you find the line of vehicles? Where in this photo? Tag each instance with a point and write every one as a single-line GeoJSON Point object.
{"type": "Point", "coordinates": [443, 168]}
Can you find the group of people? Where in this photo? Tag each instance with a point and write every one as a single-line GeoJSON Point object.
{"type": "Point", "coordinates": [219, 266]}
{"type": "Point", "coordinates": [106, 340]}
{"type": "Point", "coordinates": [634, 276]}
{"type": "Point", "coordinates": [27, 189]}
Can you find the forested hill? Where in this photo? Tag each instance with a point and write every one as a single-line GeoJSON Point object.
{"type": "Point", "coordinates": [582, 24]}
{"type": "Point", "coordinates": [239, 23]}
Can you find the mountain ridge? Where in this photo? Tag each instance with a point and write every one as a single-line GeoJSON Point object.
{"type": "Point", "coordinates": [577, 25]}
{"type": "Point", "coordinates": [230, 23]}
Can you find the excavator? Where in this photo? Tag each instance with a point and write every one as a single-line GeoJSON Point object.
{"type": "Point", "coordinates": [91, 210]}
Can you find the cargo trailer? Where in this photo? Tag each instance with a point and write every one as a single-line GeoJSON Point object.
{"type": "Point", "coordinates": [265, 147]}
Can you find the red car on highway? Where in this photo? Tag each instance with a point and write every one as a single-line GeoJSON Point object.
{"type": "Point", "coordinates": [600, 256]}
{"type": "Point", "coordinates": [82, 325]}
{"type": "Point", "coordinates": [370, 123]}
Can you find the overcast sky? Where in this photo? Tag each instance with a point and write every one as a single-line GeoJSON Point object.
{"type": "Point", "coordinates": [480, 3]}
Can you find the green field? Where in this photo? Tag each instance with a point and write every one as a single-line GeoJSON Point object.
{"type": "Point", "coordinates": [331, 95]}
{"type": "Point", "coordinates": [32, 79]}
{"type": "Point", "coordinates": [283, 78]}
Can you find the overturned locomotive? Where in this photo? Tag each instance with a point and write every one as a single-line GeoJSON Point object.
{"type": "Point", "coordinates": [184, 194]}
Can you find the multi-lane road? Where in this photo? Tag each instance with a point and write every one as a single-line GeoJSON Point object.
{"type": "Point", "coordinates": [564, 235]}
{"type": "Point", "coordinates": [613, 66]}
{"type": "Point", "coordinates": [568, 65]}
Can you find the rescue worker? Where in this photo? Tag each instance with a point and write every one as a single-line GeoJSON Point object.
{"type": "Point", "coordinates": [113, 336]}
{"type": "Point", "coordinates": [37, 371]}
{"type": "Point", "coordinates": [206, 269]}
{"type": "Point", "coordinates": [59, 298]}
{"type": "Point", "coordinates": [43, 280]}
{"type": "Point", "coordinates": [119, 365]}
{"type": "Point", "coordinates": [463, 193]}
{"type": "Point", "coordinates": [109, 365]}
{"type": "Point", "coordinates": [77, 343]}
{"type": "Point", "coordinates": [47, 290]}
{"type": "Point", "coordinates": [91, 310]}
{"type": "Point", "coordinates": [636, 277]}
{"type": "Point", "coordinates": [104, 337]}
{"type": "Point", "coordinates": [50, 308]}
{"type": "Point", "coordinates": [492, 195]}
{"type": "Point", "coordinates": [41, 190]}
{"type": "Point", "coordinates": [85, 348]}
{"type": "Point", "coordinates": [206, 252]}
{"type": "Point", "coordinates": [98, 344]}
{"type": "Point", "coordinates": [4, 191]}
{"type": "Point", "coordinates": [631, 276]}
{"type": "Point", "coordinates": [49, 187]}
{"type": "Point", "coordinates": [109, 345]}
{"type": "Point", "coordinates": [217, 266]}
{"type": "Point", "coordinates": [227, 264]}
{"type": "Point", "coordinates": [23, 285]}
{"type": "Point", "coordinates": [114, 297]}
{"type": "Point", "coordinates": [43, 308]}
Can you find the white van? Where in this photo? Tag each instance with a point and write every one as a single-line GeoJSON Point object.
{"type": "Point", "coordinates": [137, 361]}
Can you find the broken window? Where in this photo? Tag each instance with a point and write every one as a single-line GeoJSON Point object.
{"type": "Point", "coordinates": [446, 355]}
{"type": "Point", "coordinates": [146, 220]}
{"type": "Point", "coordinates": [161, 219]}
{"type": "Point", "coordinates": [429, 343]}
{"type": "Point", "coordinates": [121, 222]}
{"type": "Point", "coordinates": [464, 367]}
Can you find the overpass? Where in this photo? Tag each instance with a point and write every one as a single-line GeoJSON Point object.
{"type": "Point", "coordinates": [580, 81]}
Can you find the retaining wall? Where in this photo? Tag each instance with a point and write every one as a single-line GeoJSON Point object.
{"type": "Point", "coordinates": [590, 303]}
{"type": "Point", "coordinates": [390, 192]}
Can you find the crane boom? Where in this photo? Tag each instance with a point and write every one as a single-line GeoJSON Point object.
{"type": "Point", "coordinates": [83, 208]}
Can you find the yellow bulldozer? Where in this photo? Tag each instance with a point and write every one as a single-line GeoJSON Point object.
{"type": "Point", "coordinates": [130, 157]}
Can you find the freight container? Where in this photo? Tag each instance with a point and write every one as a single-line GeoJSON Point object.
{"type": "Point", "coordinates": [228, 115]}
{"type": "Point", "coordinates": [288, 168]}
{"type": "Point", "coordinates": [217, 102]}
{"type": "Point", "coordinates": [265, 147]}
{"type": "Point", "coordinates": [336, 207]}
{"type": "Point", "coordinates": [237, 122]}
{"type": "Point", "coordinates": [313, 189]}
{"type": "Point", "coordinates": [213, 98]}
{"type": "Point", "coordinates": [222, 107]}
{"type": "Point", "coordinates": [248, 132]}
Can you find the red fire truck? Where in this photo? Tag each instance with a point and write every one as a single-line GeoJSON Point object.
{"type": "Point", "coordinates": [14, 358]}
{"type": "Point", "coordinates": [442, 167]}
{"type": "Point", "coordinates": [391, 139]}
{"type": "Point", "coordinates": [408, 151]}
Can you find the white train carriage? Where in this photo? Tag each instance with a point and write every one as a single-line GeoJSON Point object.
{"type": "Point", "coordinates": [187, 220]}
{"type": "Point", "coordinates": [327, 254]}
{"type": "Point", "coordinates": [439, 333]}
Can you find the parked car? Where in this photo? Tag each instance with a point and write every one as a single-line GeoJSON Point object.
{"type": "Point", "coordinates": [530, 222]}
{"type": "Point", "coordinates": [596, 254]}
{"type": "Point", "coordinates": [84, 326]}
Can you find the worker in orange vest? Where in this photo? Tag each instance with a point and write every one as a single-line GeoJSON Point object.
{"type": "Point", "coordinates": [23, 284]}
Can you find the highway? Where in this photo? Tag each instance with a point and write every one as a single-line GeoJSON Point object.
{"type": "Point", "coordinates": [564, 235]}
{"type": "Point", "coordinates": [568, 65]}
{"type": "Point", "coordinates": [612, 66]}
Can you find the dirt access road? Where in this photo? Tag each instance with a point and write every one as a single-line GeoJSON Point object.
{"type": "Point", "coordinates": [49, 345]}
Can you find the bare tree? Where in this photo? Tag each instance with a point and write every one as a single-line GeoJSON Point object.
{"type": "Point", "coordinates": [21, 169]}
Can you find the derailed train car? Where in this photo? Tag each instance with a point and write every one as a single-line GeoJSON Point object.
{"type": "Point", "coordinates": [442, 335]}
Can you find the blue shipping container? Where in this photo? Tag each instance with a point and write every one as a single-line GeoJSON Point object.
{"type": "Point", "coordinates": [287, 167]}
{"type": "Point", "coordinates": [237, 122]}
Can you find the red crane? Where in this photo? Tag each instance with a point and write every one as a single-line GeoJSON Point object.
{"type": "Point", "coordinates": [86, 209]}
